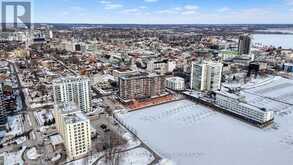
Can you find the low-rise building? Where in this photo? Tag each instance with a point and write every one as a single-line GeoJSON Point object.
{"type": "Point", "coordinates": [288, 67]}
{"type": "Point", "coordinates": [161, 67]}
{"type": "Point", "coordinates": [175, 83]}
{"type": "Point", "coordinates": [228, 54]}
{"type": "Point", "coordinates": [236, 104]}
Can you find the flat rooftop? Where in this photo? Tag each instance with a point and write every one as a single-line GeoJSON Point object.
{"type": "Point", "coordinates": [139, 75]}
{"type": "Point", "coordinates": [67, 107]}
{"type": "Point", "coordinates": [70, 78]}
{"type": "Point", "coordinates": [75, 118]}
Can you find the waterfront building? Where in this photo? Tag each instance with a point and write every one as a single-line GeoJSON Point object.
{"type": "Point", "coordinates": [244, 44]}
{"type": "Point", "coordinates": [175, 83]}
{"type": "Point", "coordinates": [236, 104]}
{"type": "Point", "coordinates": [206, 76]}
{"type": "Point", "coordinates": [141, 86]}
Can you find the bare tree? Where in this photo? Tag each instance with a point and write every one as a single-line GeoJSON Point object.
{"type": "Point", "coordinates": [111, 142]}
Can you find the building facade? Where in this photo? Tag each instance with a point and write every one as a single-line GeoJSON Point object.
{"type": "Point", "coordinates": [244, 44]}
{"type": "Point", "coordinates": [141, 86]}
{"type": "Point", "coordinates": [206, 76]}
{"type": "Point", "coordinates": [161, 67]}
{"type": "Point", "coordinates": [73, 89]}
{"type": "Point", "coordinates": [175, 83]}
{"type": "Point", "coordinates": [288, 67]}
{"type": "Point", "coordinates": [121, 73]}
{"type": "Point", "coordinates": [74, 127]}
{"type": "Point", "coordinates": [237, 105]}
{"type": "Point", "coordinates": [8, 103]}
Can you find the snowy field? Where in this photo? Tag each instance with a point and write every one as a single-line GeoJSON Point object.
{"type": "Point", "coordinates": [138, 156]}
{"type": "Point", "coordinates": [188, 133]}
{"type": "Point", "coordinates": [274, 93]}
{"type": "Point", "coordinates": [277, 88]}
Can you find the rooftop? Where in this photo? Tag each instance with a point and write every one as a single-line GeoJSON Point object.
{"type": "Point", "coordinates": [70, 78]}
{"type": "Point", "coordinates": [175, 79]}
{"type": "Point", "coordinates": [67, 107]}
{"type": "Point", "coordinates": [139, 75]}
{"type": "Point", "coordinates": [75, 118]}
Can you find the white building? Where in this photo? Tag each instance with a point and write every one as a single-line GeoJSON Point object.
{"type": "Point", "coordinates": [171, 66]}
{"type": "Point", "coordinates": [227, 54]}
{"type": "Point", "coordinates": [74, 127]}
{"type": "Point", "coordinates": [73, 89]}
{"type": "Point", "coordinates": [206, 76]}
{"type": "Point", "coordinates": [237, 105]}
{"type": "Point", "coordinates": [175, 83]}
{"type": "Point", "coordinates": [63, 109]}
{"type": "Point", "coordinates": [161, 67]}
{"type": "Point", "coordinates": [51, 35]}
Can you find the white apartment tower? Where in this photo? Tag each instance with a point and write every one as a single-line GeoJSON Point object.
{"type": "Point", "coordinates": [74, 127]}
{"type": "Point", "coordinates": [206, 76]}
{"type": "Point", "coordinates": [73, 89]}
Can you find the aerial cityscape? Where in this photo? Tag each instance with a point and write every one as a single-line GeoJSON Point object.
{"type": "Point", "coordinates": [146, 82]}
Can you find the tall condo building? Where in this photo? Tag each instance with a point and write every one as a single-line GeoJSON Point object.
{"type": "Point", "coordinates": [7, 102]}
{"type": "Point", "coordinates": [206, 76]}
{"type": "Point", "coordinates": [73, 89]}
{"type": "Point", "coordinates": [141, 86]}
{"type": "Point", "coordinates": [74, 127]}
{"type": "Point", "coordinates": [244, 44]}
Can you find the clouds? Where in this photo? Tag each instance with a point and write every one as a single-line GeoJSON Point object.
{"type": "Point", "coordinates": [190, 7]}
{"type": "Point", "coordinates": [105, 2]}
{"type": "Point", "coordinates": [110, 5]}
{"type": "Point", "coordinates": [113, 6]}
{"type": "Point", "coordinates": [224, 9]}
{"type": "Point", "coordinates": [151, 0]}
{"type": "Point", "coordinates": [182, 10]}
{"type": "Point", "coordinates": [165, 11]}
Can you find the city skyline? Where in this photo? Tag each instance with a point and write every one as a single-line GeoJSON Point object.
{"type": "Point", "coordinates": [162, 12]}
{"type": "Point", "coordinates": [146, 82]}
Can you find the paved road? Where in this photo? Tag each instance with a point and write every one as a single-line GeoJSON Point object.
{"type": "Point", "coordinates": [15, 71]}
{"type": "Point", "coordinates": [32, 125]}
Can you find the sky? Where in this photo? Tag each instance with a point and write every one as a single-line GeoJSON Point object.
{"type": "Point", "coordinates": [163, 11]}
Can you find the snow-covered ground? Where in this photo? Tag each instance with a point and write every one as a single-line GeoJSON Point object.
{"type": "Point", "coordinates": [43, 116]}
{"type": "Point", "coordinates": [189, 133]}
{"type": "Point", "coordinates": [276, 88]}
{"type": "Point", "coordinates": [138, 156]}
{"type": "Point", "coordinates": [15, 124]}
{"type": "Point", "coordinates": [39, 105]}
{"type": "Point", "coordinates": [273, 93]}
{"type": "Point", "coordinates": [32, 154]}
{"type": "Point", "coordinates": [13, 157]}
{"type": "Point", "coordinates": [131, 141]}
{"type": "Point", "coordinates": [166, 162]}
